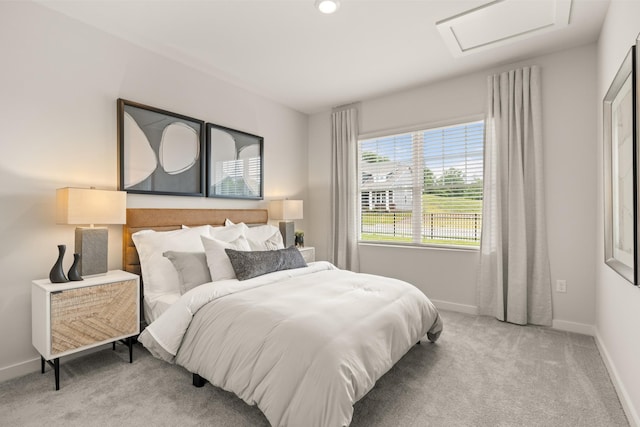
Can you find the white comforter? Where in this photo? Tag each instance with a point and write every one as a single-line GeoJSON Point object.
{"type": "Point", "coordinates": [304, 344]}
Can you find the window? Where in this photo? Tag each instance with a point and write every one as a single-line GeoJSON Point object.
{"type": "Point", "coordinates": [423, 187]}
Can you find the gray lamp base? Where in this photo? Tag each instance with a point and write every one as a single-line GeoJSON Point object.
{"type": "Point", "coordinates": [92, 245]}
{"type": "Point", "coordinates": [288, 233]}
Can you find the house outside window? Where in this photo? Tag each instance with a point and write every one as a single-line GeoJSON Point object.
{"type": "Point", "coordinates": [423, 187]}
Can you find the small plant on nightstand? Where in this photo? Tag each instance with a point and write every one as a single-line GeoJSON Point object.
{"type": "Point", "coordinates": [299, 239]}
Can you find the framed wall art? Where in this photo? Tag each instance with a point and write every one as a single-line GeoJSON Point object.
{"type": "Point", "coordinates": [621, 171]}
{"type": "Point", "coordinates": [234, 163]}
{"type": "Point", "coordinates": [160, 152]}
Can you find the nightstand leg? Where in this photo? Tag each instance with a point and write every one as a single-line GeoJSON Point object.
{"type": "Point", "coordinates": [56, 368]}
{"type": "Point", "coordinates": [130, 344]}
{"type": "Point", "coordinates": [55, 364]}
{"type": "Point", "coordinates": [114, 345]}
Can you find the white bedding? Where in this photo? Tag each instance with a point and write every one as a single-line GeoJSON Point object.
{"type": "Point", "coordinates": [157, 303]}
{"type": "Point", "coordinates": [304, 344]}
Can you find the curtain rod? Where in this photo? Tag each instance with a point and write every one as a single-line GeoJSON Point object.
{"type": "Point", "coordinates": [346, 106]}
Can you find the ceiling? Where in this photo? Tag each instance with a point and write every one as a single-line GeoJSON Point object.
{"type": "Point", "coordinates": [288, 51]}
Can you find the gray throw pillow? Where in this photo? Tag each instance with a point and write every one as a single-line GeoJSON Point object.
{"type": "Point", "coordinates": [192, 269]}
{"type": "Point", "coordinates": [248, 264]}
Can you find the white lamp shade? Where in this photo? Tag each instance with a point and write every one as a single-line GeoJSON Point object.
{"type": "Point", "coordinates": [285, 209]}
{"type": "Point", "coordinates": [90, 206]}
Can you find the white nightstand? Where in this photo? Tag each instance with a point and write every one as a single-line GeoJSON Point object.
{"type": "Point", "coordinates": [308, 253]}
{"type": "Point", "coordinates": [75, 316]}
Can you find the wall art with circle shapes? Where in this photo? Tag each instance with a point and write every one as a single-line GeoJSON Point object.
{"type": "Point", "coordinates": [234, 163]}
{"type": "Point", "coordinates": [159, 152]}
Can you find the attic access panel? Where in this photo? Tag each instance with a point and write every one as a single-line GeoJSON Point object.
{"type": "Point", "coordinates": [500, 22]}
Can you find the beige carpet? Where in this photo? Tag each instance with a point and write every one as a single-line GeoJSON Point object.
{"type": "Point", "coordinates": [480, 373]}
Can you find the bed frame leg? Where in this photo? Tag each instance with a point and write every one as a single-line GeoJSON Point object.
{"type": "Point", "coordinates": [198, 381]}
{"type": "Point", "coordinates": [419, 342]}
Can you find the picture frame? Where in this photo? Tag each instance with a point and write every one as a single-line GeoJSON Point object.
{"type": "Point", "coordinates": [620, 124]}
{"type": "Point", "coordinates": [160, 152]}
{"type": "Point", "coordinates": [235, 162]}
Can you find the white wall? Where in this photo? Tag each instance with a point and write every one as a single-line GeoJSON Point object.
{"type": "Point", "coordinates": [569, 121]}
{"type": "Point", "coordinates": [617, 302]}
{"type": "Point", "coordinates": [59, 82]}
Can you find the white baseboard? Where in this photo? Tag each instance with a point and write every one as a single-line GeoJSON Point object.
{"type": "Point", "coordinates": [562, 325]}
{"type": "Point", "coordinates": [33, 365]}
{"type": "Point", "coordinates": [625, 400]}
{"type": "Point", "coordinates": [579, 328]}
{"type": "Point", "coordinates": [452, 306]}
{"type": "Point", "coordinates": [19, 369]}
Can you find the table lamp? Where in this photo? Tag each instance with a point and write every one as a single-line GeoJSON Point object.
{"type": "Point", "coordinates": [286, 211]}
{"type": "Point", "coordinates": [88, 206]}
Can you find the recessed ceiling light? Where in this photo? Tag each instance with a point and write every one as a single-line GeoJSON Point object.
{"type": "Point", "coordinates": [327, 6]}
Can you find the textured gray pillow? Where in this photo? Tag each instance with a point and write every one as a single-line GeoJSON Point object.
{"type": "Point", "coordinates": [248, 264]}
{"type": "Point", "coordinates": [192, 268]}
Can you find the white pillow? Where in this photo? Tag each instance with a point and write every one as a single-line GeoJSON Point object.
{"type": "Point", "coordinates": [219, 264]}
{"type": "Point", "coordinates": [261, 237]}
{"type": "Point", "coordinates": [264, 238]}
{"type": "Point", "coordinates": [224, 233]}
{"type": "Point", "coordinates": [228, 233]}
{"type": "Point", "coordinates": [158, 273]}
{"type": "Point", "coordinates": [197, 227]}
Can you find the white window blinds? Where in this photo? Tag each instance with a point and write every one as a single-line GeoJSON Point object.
{"type": "Point", "coordinates": [423, 187]}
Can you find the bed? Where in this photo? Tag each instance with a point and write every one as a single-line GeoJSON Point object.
{"type": "Point", "coordinates": [154, 302]}
{"type": "Point", "coordinates": [303, 344]}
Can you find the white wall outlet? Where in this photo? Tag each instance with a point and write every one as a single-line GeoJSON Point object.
{"type": "Point", "coordinates": [561, 285]}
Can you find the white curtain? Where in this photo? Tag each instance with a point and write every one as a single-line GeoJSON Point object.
{"type": "Point", "coordinates": [343, 248]}
{"type": "Point", "coordinates": [514, 282]}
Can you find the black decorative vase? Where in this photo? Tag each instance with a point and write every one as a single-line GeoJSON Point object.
{"type": "Point", "coordinates": [74, 274]}
{"type": "Point", "coordinates": [56, 275]}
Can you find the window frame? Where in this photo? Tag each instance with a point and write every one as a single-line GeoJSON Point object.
{"type": "Point", "coordinates": [403, 130]}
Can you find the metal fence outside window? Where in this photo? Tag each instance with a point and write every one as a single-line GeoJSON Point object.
{"type": "Point", "coordinates": [435, 226]}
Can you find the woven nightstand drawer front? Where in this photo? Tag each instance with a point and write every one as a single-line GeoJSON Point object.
{"type": "Point", "coordinates": [92, 314]}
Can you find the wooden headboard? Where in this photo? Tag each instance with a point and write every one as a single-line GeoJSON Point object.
{"type": "Point", "coordinates": [173, 219]}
